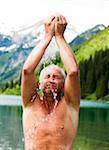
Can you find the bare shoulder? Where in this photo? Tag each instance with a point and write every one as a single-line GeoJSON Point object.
{"type": "Point", "coordinates": [32, 104]}
{"type": "Point", "coordinates": [72, 112]}
{"type": "Point", "coordinates": [66, 107]}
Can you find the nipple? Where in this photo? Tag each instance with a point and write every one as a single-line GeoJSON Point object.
{"type": "Point", "coordinates": [62, 127]}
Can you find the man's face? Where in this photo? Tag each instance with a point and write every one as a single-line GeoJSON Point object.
{"type": "Point", "coordinates": [52, 81]}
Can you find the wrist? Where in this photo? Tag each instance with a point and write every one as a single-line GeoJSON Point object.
{"type": "Point", "coordinates": [48, 37]}
{"type": "Point", "coordinates": [59, 37]}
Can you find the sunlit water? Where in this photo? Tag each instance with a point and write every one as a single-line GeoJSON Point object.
{"type": "Point", "coordinates": [93, 129]}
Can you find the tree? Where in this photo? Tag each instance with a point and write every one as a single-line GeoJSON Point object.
{"type": "Point", "coordinates": [90, 78]}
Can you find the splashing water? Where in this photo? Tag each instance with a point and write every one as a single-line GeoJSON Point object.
{"type": "Point", "coordinates": [56, 103]}
{"type": "Point", "coordinates": [54, 95]}
{"type": "Point", "coordinates": [33, 98]}
{"type": "Point", "coordinates": [49, 56]}
{"type": "Point", "coordinates": [55, 98]}
{"type": "Point", "coordinates": [33, 131]}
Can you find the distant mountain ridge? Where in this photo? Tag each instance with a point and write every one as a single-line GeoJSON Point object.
{"type": "Point", "coordinates": [86, 35]}
{"type": "Point", "coordinates": [15, 49]}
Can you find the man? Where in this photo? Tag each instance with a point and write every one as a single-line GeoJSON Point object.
{"type": "Point", "coordinates": [50, 121]}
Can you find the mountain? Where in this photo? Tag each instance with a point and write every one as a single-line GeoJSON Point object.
{"type": "Point", "coordinates": [99, 42]}
{"type": "Point", "coordinates": [93, 59]}
{"type": "Point", "coordinates": [5, 41]}
{"type": "Point", "coordinates": [86, 35]}
{"type": "Point", "coordinates": [15, 48]}
{"type": "Point", "coordinates": [18, 45]}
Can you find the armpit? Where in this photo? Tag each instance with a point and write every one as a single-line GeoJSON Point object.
{"type": "Point", "coordinates": [33, 97]}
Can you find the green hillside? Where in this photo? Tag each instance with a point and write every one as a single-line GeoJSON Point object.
{"type": "Point", "coordinates": [99, 42]}
{"type": "Point", "coordinates": [93, 59]}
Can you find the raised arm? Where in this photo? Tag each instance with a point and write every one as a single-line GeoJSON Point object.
{"type": "Point", "coordinates": [28, 84]}
{"type": "Point", "coordinates": [72, 84]}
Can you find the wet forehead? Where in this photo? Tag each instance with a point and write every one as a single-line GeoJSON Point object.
{"type": "Point", "coordinates": [52, 71]}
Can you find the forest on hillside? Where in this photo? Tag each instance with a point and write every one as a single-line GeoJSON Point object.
{"type": "Point", "coordinates": [93, 61]}
{"type": "Point", "coordinates": [94, 77]}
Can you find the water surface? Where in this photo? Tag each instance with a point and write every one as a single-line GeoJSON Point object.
{"type": "Point", "coordinates": [93, 129]}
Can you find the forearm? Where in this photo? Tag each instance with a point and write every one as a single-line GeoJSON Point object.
{"type": "Point", "coordinates": [36, 55]}
{"type": "Point", "coordinates": [67, 55]}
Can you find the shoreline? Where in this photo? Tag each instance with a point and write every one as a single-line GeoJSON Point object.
{"type": "Point", "coordinates": [10, 100]}
{"type": "Point", "coordinates": [14, 100]}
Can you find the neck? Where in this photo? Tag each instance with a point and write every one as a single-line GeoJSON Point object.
{"type": "Point", "coordinates": [51, 97]}
{"type": "Point", "coordinates": [50, 101]}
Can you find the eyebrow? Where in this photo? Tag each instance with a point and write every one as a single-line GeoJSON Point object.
{"type": "Point", "coordinates": [57, 75]}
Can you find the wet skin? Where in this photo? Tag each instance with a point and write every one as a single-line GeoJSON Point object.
{"type": "Point", "coordinates": [47, 127]}
{"type": "Point", "coordinates": [54, 131]}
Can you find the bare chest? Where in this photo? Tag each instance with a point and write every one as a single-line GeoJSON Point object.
{"type": "Point", "coordinates": [53, 127]}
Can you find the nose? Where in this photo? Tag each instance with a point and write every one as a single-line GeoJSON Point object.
{"type": "Point", "coordinates": [52, 79]}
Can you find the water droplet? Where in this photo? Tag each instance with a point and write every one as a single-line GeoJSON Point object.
{"type": "Point", "coordinates": [46, 119]}
{"type": "Point", "coordinates": [32, 136]}
{"type": "Point", "coordinates": [56, 103]}
{"type": "Point", "coordinates": [55, 95]}
{"type": "Point", "coordinates": [43, 120]}
{"type": "Point", "coordinates": [33, 98]}
{"type": "Point", "coordinates": [41, 98]}
{"type": "Point", "coordinates": [55, 90]}
{"type": "Point", "coordinates": [22, 139]}
{"type": "Point", "coordinates": [32, 124]}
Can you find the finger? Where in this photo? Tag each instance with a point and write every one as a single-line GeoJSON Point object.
{"type": "Point", "coordinates": [60, 20]}
{"type": "Point", "coordinates": [49, 19]}
{"type": "Point", "coordinates": [57, 18]}
{"type": "Point", "coordinates": [63, 20]}
{"type": "Point", "coordinates": [52, 18]}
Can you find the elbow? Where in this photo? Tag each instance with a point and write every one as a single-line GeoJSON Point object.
{"type": "Point", "coordinates": [26, 70]}
{"type": "Point", "coordinates": [73, 72]}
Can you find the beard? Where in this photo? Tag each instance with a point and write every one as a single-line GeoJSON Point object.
{"type": "Point", "coordinates": [50, 88]}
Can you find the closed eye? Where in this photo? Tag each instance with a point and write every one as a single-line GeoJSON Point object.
{"type": "Point", "coordinates": [54, 76]}
{"type": "Point", "coordinates": [47, 76]}
{"type": "Point", "coordinates": [57, 76]}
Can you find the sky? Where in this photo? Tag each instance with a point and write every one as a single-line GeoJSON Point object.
{"type": "Point", "coordinates": [82, 14]}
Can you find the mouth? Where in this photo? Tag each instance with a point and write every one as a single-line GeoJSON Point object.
{"type": "Point", "coordinates": [51, 86]}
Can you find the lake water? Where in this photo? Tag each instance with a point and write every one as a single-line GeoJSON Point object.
{"type": "Point", "coordinates": [93, 129]}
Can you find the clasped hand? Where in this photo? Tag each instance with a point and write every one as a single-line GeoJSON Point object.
{"type": "Point", "coordinates": [55, 25]}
